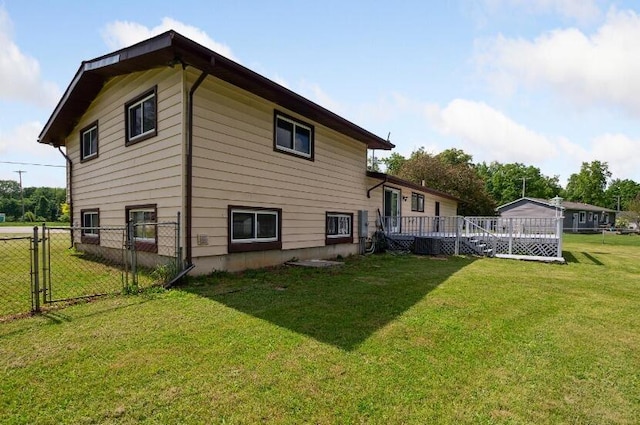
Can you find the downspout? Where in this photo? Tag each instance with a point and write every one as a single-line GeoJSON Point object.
{"type": "Point", "coordinates": [386, 179]}
{"type": "Point", "coordinates": [70, 185]}
{"type": "Point", "coordinates": [189, 171]}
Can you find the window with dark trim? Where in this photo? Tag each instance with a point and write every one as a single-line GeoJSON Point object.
{"type": "Point", "coordinates": [89, 142]}
{"type": "Point", "coordinates": [590, 217]}
{"type": "Point", "coordinates": [254, 229]}
{"type": "Point", "coordinates": [583, 216]}
{"type": "Point", "coordinates": [141, 117]}
{"type": "Point", "coordinates": [90, 234]}
{"type": "Point", "coordinates": [417, 202]}
{"type": "Point", "coordinates": [144, 220]}
{"type": "Point", "coordinates": [339, 228]}
{"type": "Point", "coordinates": [292, 136]}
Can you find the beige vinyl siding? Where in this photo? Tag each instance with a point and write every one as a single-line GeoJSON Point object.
{"type": "Point", "coordinates": [148, 172]}
{"type": "Point", "coordinates": [235, 164]}
{"type": "Point", "coordinates": [448, 207]}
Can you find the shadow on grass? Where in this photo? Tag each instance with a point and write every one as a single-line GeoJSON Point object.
{"type": "Point", "coordinates": [593, 259]}
{"type": "Point", "coordinates": [569, 257]}
{"type": "Point", "coordinates": [340, 306]}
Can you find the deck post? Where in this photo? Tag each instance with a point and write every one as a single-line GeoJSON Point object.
{"type": "Point", "coordinates": [510, 235]}
{"type": "Point", "coordinates": [458, 228]}
{"type": "Point", "coordinates": [559, 223]}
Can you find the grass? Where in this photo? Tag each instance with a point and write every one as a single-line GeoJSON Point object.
{"type": "Point", "coordinates": [383, 339]}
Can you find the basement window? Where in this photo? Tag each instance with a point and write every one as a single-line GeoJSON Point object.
{"type": "Point", "coordinates": [90, 232]}
{"type": "Point", "coordinates": [254, 229]}
{"type": "Point", "coordinates": [339, 228]}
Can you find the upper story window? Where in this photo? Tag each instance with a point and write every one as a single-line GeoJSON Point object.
{"type": "Point", "coordinates": [141, 117]}
{"type": "Point", "coordinates": [293, 136]}
{"type": "Point", "coordinates": [417, 202]}
{"type": "Point", "coordinates": [254, 229]}
{"type": "Point", "coordinates": [89, 142]}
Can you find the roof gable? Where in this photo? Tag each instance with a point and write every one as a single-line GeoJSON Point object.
{"type": "Point", "coordinates": [173, 49]}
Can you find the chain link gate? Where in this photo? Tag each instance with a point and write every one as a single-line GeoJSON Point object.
{"type": "Point", "coordinates": [56, 264]}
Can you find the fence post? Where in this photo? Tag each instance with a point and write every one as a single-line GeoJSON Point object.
{"type": "Point", "coordinates": [178, 249]}
{"type": "Point", "coordinates": [35, 294]}
{"type": "Point", "coordinates": [45, 267]}
{"type": "Point", "coordinates": [131, 246]}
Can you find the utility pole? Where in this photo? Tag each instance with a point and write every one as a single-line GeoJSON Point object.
{"type": "Point", "coordinates": [21, 192]}
{"type": "Point", "coordinates": [524, 185]}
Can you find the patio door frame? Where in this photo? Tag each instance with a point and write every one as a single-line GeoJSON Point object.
{"type": "Point", "coordinates": [389, 195]}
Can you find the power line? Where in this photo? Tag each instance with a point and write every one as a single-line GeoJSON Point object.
{"type": "Point", "coordinates": [30, 163]}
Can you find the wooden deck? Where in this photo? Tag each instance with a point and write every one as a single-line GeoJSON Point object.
{"type": "Point", "coordinates": [530, 239]}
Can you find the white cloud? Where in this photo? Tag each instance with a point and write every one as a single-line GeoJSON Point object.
{"type": "Point", "coordinates": [20, 78]}
{"type": "Point", "coordinates": [314, 92]}
{"type": "Point", "coordinates": [598, 69]}
{"type": "Point", "coordinates": [584, 11]}
{"type": "Point", "coordinates": [21, 141]}
{"type": "Point", "coordinates": [488, 134]}
{"type": "Point", "coordinates": [619, 151]}
{"type": "Point", "coordinates": [121, 34]}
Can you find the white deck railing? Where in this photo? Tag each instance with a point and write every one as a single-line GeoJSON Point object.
{"type": "Point", "coordinates": [509, 231]}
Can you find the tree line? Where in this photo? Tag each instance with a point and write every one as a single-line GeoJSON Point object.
{"type": "Point", "coordinates": [484, 186]}
{"type": "Point", "coordinates": [40, 203]}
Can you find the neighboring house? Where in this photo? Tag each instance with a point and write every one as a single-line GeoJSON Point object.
{"type": "Point", "coordinates": [578, 217]}
{"type": "Point", "coordinates": [260, 174]}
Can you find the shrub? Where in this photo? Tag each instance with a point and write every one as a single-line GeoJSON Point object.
{"type": "Point", "coordinates": [29, 216]}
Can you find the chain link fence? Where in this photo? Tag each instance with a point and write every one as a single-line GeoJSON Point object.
{"type": "Point", "coordinates": [16, 269]}
{"type": "Point", "coordinates": [60, 264]}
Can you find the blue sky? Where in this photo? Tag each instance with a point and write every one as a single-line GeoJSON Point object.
{"type": "Point", "coordinates": [549, 83]}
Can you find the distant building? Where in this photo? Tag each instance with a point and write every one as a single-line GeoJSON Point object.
{"type": "Point", "coordinates": [578, 217]}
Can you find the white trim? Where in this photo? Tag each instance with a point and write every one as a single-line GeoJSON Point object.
{"type": "Point", "coordinates": [134, 105]}
{"type": "Point", "coordinates": [255, 237]}
{"type": "Point", "coordinates": [83, 155]}
{"type": "Point", "coordinates": [349, 217]}
{"type": "Point", "coordinates": [295, 124]}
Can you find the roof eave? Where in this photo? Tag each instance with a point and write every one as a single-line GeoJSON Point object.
{"type": "Point", "coordinates": [170, 48]}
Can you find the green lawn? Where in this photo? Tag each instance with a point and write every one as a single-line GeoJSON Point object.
{"type": "Point", "coordinates": [383, 339]}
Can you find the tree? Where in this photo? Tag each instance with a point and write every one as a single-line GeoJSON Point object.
{"type": "Point", "coordinates": [589, 184]}
{"type": "Point", "coordinates": [454, 157]}
{"type": "Point", "coordinates": [504, 182]}
{"type": "Point", "coordinates": [394, 163]}
{"type": "Point", "coordinates": [620, 193]}
{"type": "Point", "coordinates": [632, 212]}
{"type": "Point", "coordinates": [458, 178]}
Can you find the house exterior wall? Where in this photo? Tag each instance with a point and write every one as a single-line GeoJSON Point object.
{"type": "Point", "coordinates": [448, 207]}
{"type": "Point", "coordinates": [147, 172]}
{"type": "Point", "coordinates": [234, 164]}
{"type": "Point", "coordinates": [592, 220]}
